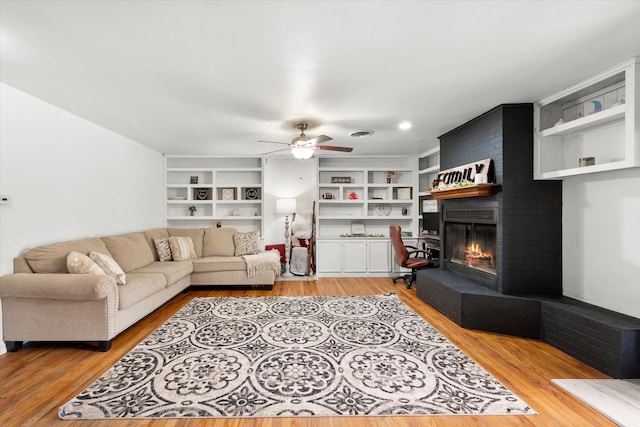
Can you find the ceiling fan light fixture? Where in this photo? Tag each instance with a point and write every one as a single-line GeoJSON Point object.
{"type": "Point", "coordinates": [300, 140]}
{"type": "Point", "coordinates": [302, 153]}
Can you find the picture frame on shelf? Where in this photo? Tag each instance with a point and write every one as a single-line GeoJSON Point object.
{"type": "Point", "coordinates": [203, 193]}
{"type": "Point", "coordinates": [428, 205]}
{"type": "Point", "coordinates": [341, 180]}
{"type": "Point", "coordinates": [404, 193]}
{"type": "Point", "coordinates": [193, 179]}
{"type": "Point", "coordinates": [251, 193]}
{"type": "Point", "coordinates": [227, 193]}
{"type": "Point", "coordinates": [357, 228]}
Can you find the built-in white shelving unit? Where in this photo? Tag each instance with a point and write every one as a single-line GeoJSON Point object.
{"type": "Point", "coordinates": [428, 169]}
{"type": "Point", "coordinates": [355, 197]}
{"type": "Point", "coordinates": [225, 190]}
{"type": "Point", "coordinates": [592, 126]}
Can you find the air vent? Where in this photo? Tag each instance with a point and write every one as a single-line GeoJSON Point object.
{"type": "Point", "coordinates": [361, 133]}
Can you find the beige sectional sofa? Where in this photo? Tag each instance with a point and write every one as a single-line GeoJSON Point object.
{"type": "Point", "coordinates": [42, 301]}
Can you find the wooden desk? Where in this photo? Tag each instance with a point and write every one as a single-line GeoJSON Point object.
{"type": "Point", "coordinates": [431, 244]}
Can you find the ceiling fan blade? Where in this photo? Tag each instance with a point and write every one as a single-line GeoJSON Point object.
{"type": "Point", "coordinates": [275, 142]}
{"type": "Point", "coordinates": [319, 139]}
{"type": "Point", "coordinates": [333, 148]}
{"type": "Point", "coordinates": [275, 151]}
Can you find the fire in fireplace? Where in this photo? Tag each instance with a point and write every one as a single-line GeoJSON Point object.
{"type": "Point", "coordinates": [470, 244]}
{"type": "Point", "coordinates": [476, 257]}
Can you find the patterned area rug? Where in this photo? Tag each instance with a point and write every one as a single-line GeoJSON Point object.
{"type": "Point", "coordinates": [294, 356]}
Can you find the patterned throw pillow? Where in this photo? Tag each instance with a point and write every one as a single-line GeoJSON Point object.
{"type": "Point", "coordinates": [163, 248]}
{"type": "Point", "coordinates": [182, 248]}
{"type": "Point", "coordinates": [78, 263]}
{"type": "Point", "coordinates": [110, 266]}
{"type": "Point", "coordinates": [246, 243]}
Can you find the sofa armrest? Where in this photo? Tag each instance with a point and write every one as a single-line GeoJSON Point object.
{"type": "Point", "coordinates": [79, 287]}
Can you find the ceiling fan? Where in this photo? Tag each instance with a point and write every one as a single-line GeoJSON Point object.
{"type": "Point", "coordinates": [302, 147]}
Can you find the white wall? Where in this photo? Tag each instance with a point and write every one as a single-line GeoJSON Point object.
{"type": "Point", "coordinates": [601, 239]}
{"type": "Point", "coordinates": [69, 178]}
{"type": "Point", "coordinates": [283, 179]}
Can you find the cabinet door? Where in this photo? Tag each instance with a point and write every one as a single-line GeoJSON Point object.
{"type": "Point", "coordinates": [379, 253]}
{"type": "Point", "coordinates": [354, 256]}
{"type": "Point", "coordinates": [329, 256]}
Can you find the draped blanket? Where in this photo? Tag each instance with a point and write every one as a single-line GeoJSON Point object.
{"type": "Point", "coordinates": [269, 260]}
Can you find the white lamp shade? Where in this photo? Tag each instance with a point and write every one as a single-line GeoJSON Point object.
{"type": "Point", "coordinates": [285, 206]}
{"type": "Point", "coordinates": [302, 152]}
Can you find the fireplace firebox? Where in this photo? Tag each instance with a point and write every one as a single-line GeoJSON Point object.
{"type": "Point", "coordinates": [470, 249]}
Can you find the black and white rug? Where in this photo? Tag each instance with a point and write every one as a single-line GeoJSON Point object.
{"type": "Point", "coordinates": [294, 356]}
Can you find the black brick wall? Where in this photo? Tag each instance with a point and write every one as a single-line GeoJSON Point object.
{"type": "Point", "coordinates": [529, 231]}
{"type": "Point", "coordinates": [606, 340]}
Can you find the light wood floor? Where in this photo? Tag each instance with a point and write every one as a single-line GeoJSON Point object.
{"type": "Point", "coordinates": [40, 378]}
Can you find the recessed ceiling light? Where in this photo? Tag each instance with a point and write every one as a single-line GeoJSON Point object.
{"type": "Point", "coordinates": [404, 125]}
{"type": "Point", "coordinates": [360, 133]}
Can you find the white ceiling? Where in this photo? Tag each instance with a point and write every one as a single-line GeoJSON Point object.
{"type": "Point", "coordinates": [213, 77]}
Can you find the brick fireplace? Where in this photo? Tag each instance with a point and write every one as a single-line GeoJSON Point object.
{"type": "Point", "coordinates": [527, 214]}
{"type": "Point", "coordinates": [518, 227]}
{"type": "Point", "coordinates": [502, 266]}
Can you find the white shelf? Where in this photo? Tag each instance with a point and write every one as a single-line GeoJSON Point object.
{"type": "Point", "coordinates": [604, 167]}
{"type": "Point", "coordinates": [213, 218]}
{"type": "Point", "coordinates": [214, 173]}
{"type": "Point", "coordinates": [429, 170]}
{"type": "Point", "coordinates": [189, 202]}
{"type": "Point", "coordinates": [373, 217]}
{"type": "Point", "coordinates": [601, 120]}
{"type": "Point", "coordinates": [368, 256]}
{"type": "Point", "coordinates": [585, 123]}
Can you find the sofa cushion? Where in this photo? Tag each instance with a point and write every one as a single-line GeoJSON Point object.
{"type": "Point", "coordinates": [196, 235]}
{"type": "Point", "coordinates": [130, 250]}
{"type": "Point", "coordinates": [246, 243]}
{"type": "Point", "coordinates": [78, 263]}
{"type": "Point", "coordinates": [172, 271]}
{"type": "Point", "coordinates": [53, 258]}
{"type": "Point", "coordinates": [139, 286]}
{"type": "Point", "coordinates": [182, 248]}
{"type": "Point", "coordinates": [156, 233]}
{"type": "Point", "coordinates": [109, 266]}
{"type": "Point", "coordinates": [219, 263]}
{"type": "Point", "coordinates": [218, 242]}
{"type": "Point", "coordinates": [163, 249]}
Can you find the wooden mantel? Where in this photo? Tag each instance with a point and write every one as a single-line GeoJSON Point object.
{"type": "Point", "coordinates": [475, 190]}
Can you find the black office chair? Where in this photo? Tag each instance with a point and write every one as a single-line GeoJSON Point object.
{"type": "Point", "coordinates": [407, 256]}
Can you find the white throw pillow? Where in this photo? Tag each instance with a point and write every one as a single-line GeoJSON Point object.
{"type": "Point", "coordinates": [78, 263]}
{"type": "Point", "coordinates": [182, 248]}
{"type": "Point", "coordinates": [246, 243]}
{"type": "Point", "coordinates": [110, 266]}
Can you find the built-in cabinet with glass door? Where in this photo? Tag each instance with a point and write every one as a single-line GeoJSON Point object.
{"type": "Point", "coordinates": [358, 198]}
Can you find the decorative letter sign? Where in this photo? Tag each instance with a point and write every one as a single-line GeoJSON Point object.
{"type": "Point", "coordinates": [465, 173]}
